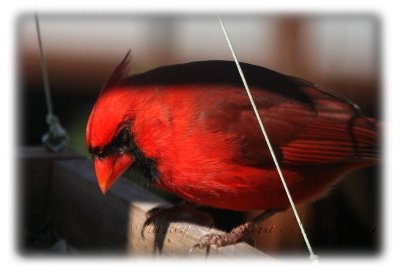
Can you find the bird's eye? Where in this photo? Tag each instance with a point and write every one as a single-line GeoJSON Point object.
{"type": "Point", "coordinates": [100, 155]}
{"type": "Point", "coordinates": [123, 137]}
{"type": "Point", "coordinates": [97, 152]}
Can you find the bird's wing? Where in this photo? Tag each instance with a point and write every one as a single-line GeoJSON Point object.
{"type": "Point", "coordinates": [321, 129]}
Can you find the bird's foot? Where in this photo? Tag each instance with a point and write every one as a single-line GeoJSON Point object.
{"type": "Point", "coordinates": [235, 236]}
{"type": "Point", "coordinates": [183, 211]}
{"type": "Point", "coordinates": [238, 234]}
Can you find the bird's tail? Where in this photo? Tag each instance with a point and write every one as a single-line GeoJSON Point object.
{"type": "Point", "coordinates": [365, 134]}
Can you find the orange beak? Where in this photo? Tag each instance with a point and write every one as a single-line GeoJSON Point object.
{"type": "Point", "coordinates": [109, 169]}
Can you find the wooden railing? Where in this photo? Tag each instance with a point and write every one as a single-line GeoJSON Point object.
{"type": "Point", "coordinates": [61, 190]}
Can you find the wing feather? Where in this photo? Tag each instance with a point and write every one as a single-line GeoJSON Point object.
{"type": "Point", "coordinates": [327, 130]}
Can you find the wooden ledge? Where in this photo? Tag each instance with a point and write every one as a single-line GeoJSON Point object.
{"type": "Point", "coordinates": [112, 223]}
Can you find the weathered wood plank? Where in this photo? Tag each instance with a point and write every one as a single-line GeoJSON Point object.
{"type": "Point", "coordinates": [112, 223]}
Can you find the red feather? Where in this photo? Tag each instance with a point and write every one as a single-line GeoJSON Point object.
{"type": "Point", "coordinates": [195, 122]}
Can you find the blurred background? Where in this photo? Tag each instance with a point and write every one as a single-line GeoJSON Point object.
{"type": "Point", "coordinates": [341, 52]}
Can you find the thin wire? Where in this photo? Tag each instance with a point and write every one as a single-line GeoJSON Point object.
{"type": "Point", "coordinates": [56, 139]}
{"type": "Point", "coordinates": [43, 68]}
{"type": "Point", "coordinates": [312, 255]}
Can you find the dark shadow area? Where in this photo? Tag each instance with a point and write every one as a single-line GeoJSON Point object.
{"type": "Point", "coordinates": [348, 226]}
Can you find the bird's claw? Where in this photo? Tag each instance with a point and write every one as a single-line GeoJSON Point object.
{"type": "Point", "coordinates": [193, 248]}
{"type": "Point", "coordinates": [213, 239]}
{"type": "Point", "coordinates": [236, 235]}
{"type": "Point", "coordinates": [206, 242]}
{"type": "Point", "coordinates": [200, 245]}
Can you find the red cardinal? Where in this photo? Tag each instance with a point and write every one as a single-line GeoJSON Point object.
{"type": "Point", "coordinates": [191, 130]}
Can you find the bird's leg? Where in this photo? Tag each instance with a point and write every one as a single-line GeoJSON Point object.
{"type": "Point", "coordinates": [236, 235]}
{"type": "Point", "coordinates": [183, 211]}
